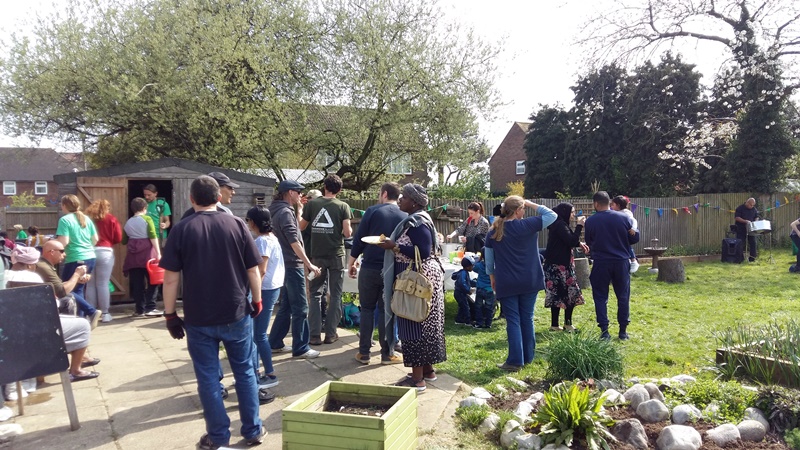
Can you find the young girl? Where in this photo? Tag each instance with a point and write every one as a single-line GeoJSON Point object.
{"type": "Point", "coordinates": [272, 273]}
{"type": "Point", "coordinates": [140, 236]}
{"type": "Point", "coordinates": [620, 203]}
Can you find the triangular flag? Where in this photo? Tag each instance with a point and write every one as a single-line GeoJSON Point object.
{"type": "Point", "coordinates": [686, 210]}
{"type": "Point", "coordinates": [580, 212]}
{"type": "Point", "coordinates": [777, 204]}
{"type": "Point", "coordinates": [660, 212]}
{"type": "Point", "coordinates": [696, 206]}
{"type": "Point", "coordinates": [785, 200]}
{"type": "Point", "coordinates": [675, 210]}
{"type": "Point", "coordinates": [444, 207]}
{"type": "Point", "coordinates": [633, 207]}
{"type": "Point", "coordinates": [647, 212]}
{"type": "Point", "coordinates": [706, 205]}
{"type": "Point", "coordinates": [769, 209]}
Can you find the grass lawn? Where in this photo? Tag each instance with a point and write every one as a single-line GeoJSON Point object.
{"type": "Point", "coordinates": [672, 325]}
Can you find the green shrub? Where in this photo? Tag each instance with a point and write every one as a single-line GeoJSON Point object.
{"type": "Point", "coordinates": [730, 397]}
{"type": "Point", "coordinates": [473, 415]}
{"type": "Point", "coordinates": [571, 412]}
{"type": "Point", "coordinates": [579, 355]}
{"type": "Point", "coordinates": [792, 438]}
{"type": "Point", "coordinates": [781, 406]}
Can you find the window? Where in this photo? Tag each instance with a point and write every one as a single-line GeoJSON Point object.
{"type": "Point", "coordinates": [323, 159]}
{"type": "Point", "coordinates": [400, 165]}
{"type": "Point", "coordinates": [520, 167]}
{"type": "Point", "coordinates": [9, 188]}
{"type": "Point", "coordinates": [41, 188]}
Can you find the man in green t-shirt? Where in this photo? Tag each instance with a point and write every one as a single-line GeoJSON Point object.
{"type": "Point", "coordinates": [329, 219]}
{"type": "Point", "coordinates": [158, 210]}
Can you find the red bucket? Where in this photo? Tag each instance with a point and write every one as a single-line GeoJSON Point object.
{"type": "Point", "coordinates": [156, 273]}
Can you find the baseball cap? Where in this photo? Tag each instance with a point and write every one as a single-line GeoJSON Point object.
{"type": "Point", "coordinates": [223, 179]}
{"type": "Point", "coordinates": [467, 261]}
{"type": "Point", "coordinates": [289, 185]}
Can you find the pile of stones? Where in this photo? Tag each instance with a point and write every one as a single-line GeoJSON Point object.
{"type": "Point", "coordinates": [646, 400]}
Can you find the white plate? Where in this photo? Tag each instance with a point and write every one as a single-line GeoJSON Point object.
{"type": "Point", "coordinates": [372, 239]}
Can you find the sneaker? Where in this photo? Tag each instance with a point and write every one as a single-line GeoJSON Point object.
{"type": "Point", "coordinates": [264, 397]}
{"type": "Point", "coordinates": [509, 367]}
{"type": "Point", "coordinates": [363, 359]}
{"type": "Point", "coordinates": [154, 313]}
{"type": "Point", "coordinates": [623, 336]}
{"type": "Point", "coordinates": [634, 266]}
{"type": "Point", "coordinates": [95, 318]}
{"type": "Point", "coordinates": [463, 323]}
{"type": "Point", "coordinates": [268, 381]}
{"type": "Point", "coordinates": [223, 391]}
{"type": "Point", "coordinates": [398, 348]}
{"type": "Point", "coordinates": [137, 315]}
{"type": "Point", "coordinates": [556, 329]}
{"type": "Point", "coordinates": [409, 382]}
{"type": "Point", "coordinates": [430, 376]}
{"type": "Point", "coordinates": [284, 349]}
{"type": "Point", "coordinates": [257, 439]}
{"type": "Point", "coordinates": [207, 444]}
{"type": "Point", "coordinates": [570, 329]}
{"type": "Point", "coordinates": [394, 359]}
{"type": "Point", "coordinates": [330, 339]}
{"type": "Point", "coordinates": [604, 336]}
{"type": "Point", "coordinates": [11, 394]}
{"type": "Point", "coordinates": [310, 354]}
{"type": "Point", "coordinates": [107, 318]}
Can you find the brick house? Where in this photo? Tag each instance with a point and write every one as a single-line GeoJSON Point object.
{"type": "Point", "coordinates": [507, 163]}
{"type": "Point", "coordinates": [31, 170]}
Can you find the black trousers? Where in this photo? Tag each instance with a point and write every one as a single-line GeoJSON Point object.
{"type": "Point", "coordinates": [750, 240]}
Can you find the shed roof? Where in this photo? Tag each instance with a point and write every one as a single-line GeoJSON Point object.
{"type": "Point", "coordinates": [144, 166]}
{"type": "Point", "coordinates": [33, 164]}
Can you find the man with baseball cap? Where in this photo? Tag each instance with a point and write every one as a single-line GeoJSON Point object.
{"type": "Point", "coordinates": [226, 190]}
{"type": "Point", "coordinates": [293, 309]}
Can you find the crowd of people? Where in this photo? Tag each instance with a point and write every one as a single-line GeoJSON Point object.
{"type": "Point", "coordinates": [234, 271]}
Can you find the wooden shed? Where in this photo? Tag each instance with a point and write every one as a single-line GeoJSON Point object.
{"type": "Point", "coordinates": [172, 177]}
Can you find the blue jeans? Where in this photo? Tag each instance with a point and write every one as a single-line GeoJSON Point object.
{"type": "Point", "coordinates": [203, 344]}
{"type": "Point", "coordinates": [484, 306]}
{"type": "Point", "coordinates": [293, 311]}
{"type": "Point", "coordinates": [260, 327]}
{"type": "Point", "coordinates": [617, 273]}
{"type": "Point", "coordinates": [519, 327]}
{"type": "Point", "coordinates": [84, 308]}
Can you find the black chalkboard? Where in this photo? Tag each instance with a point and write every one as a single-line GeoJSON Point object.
{"type": "Point", "coordinates": [31, 342]}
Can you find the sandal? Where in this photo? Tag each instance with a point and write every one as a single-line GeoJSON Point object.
{"type": "Point", "coordinates": [410, 382]}
{"type": "Point", "coordinates": [83, 376]}
{"type": "Point", "coordinates": [90, 363]}
{"type": "Point", "coordinates": [427, 376]}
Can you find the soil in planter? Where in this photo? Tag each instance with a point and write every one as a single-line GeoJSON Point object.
{"type": "Point", "coordinates": [359, 409]}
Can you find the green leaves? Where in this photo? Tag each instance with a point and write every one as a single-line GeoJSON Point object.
{"type": "Point", "coordinates": [572, 412]}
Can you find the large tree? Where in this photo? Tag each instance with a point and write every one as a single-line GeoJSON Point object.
{"type": "Point", "coordinates": [762, 40]}
{"type": "Point", "coordinates": [253, 84]}
{"type": "Point", "coordinates": [545, 152]}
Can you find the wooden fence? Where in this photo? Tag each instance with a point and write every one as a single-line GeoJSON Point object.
{"type": "Point", "coordinates": [46, 219]}
{"type": "Point", "coordinates": [688, 225]}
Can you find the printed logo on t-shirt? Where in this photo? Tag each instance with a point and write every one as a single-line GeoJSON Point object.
{"type": "Point", "coordinates": [322, 223]}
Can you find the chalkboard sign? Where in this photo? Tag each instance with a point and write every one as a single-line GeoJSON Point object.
{"type": "Point", "coordinates": [31, 340]}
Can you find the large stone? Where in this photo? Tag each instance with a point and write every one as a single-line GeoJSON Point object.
{"type": "Point", "coordinates": [523, 411]}
{"type": "Point", "coordinates": [635, 388]}
{"type": "Point", "coordinates": [517, 382]}
{"type": "Point", "coordinates": [528, 441]}
{"type": "Point", "coordinates": [752, 430]}
{"type": "Point", "coordinates": [723, 434]}
{"type": "Point", "coordinates": [607, 384]}
{"type": "Point", "coordinates": [683, 378]}
{"type": "Point", "coordinates": [639, 397]}
{"type": "Point", "coordinates": [489, 424]}
{"type": "Point", "coordinates": [654, 392]}
{"type": "Point", "coordinates": [757, 415]}
{"type": "Point", "coordinates": [480, 392]}
{"type": "Point", "coordinates": [678, 437]}
{"type": "Point", "coordinates": [630, 431]}
{"type": "Point", "coordinates": [653, 411]}
{"type": "Point", "coordinates": [614, 397]}
{"type": "Point", "coordinates": [511, 430]}
{"type": "Point", "coordinates": [471, 401]}
{"type": "Point", "coordinates": [683, 414]}
{"type": "Point", "coordinates": [536, 400]}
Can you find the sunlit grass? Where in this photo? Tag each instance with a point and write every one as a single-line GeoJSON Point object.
{"type": "Point", "coordinates": [672, 325]}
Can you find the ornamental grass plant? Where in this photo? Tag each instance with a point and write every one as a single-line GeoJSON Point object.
{"type": "Point", "coordinates": [582, 356]}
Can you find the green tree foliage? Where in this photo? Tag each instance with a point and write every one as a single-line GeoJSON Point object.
{"type": "Point", "coordinates": [472, 184]}
{"type": "Point", "coordinates": [545, 152]}
{"type": "Point", "coordinates": [254, 84]}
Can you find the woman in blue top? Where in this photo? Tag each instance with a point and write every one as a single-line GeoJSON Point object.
{"type": "Point", "coordinates": [513, 265]}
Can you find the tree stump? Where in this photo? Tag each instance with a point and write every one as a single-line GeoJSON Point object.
{"type": "Point", "coordinates": [671, 270]}
{"type": "Point", "coordinates": [582, 272]}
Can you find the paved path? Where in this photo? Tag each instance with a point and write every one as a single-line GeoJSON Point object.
{"type": "Point", "coordinates": [146, 395]}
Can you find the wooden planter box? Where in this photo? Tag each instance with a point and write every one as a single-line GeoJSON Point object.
{"type": "Point", "coordinates": [307, 426]}
{"type": "Point", "coordinates": [781, 369]}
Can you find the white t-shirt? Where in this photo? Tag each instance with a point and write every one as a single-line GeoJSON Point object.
{"type": "Point", "coordinates": [635, 222]}
{"type": "Point", "coordinates": [270, 247]}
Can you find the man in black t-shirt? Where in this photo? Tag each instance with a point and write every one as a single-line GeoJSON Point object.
{"type": "Point", "coordinates": [746, 213]}
{"type": "Point", "coordinates": [219, 261]}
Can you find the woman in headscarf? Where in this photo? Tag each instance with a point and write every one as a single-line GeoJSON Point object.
{"type": "Point", "coordinates": [423, 342]}
{"type": "Point", "coordinates": [561, 285]}
{"type": "Point", "coordinates": [512, 262]}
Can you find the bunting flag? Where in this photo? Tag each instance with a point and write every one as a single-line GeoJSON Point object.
{"type": "Point", "coordinates": [777, 204]}
{"type": "Point", "coordinates": [675, 210]}
{"type": "Point", "coordinates": [696, 207]}
{"type": "Point", "coordinates": [647, 212]}
{"type": "Point", "coordinates": [633, 207]}
{"type": "Point", "coordinates": [660, 212]}
{"type": "Point", "coordinates": [785, 200]}
{"type": "Point", "coordinates": [686, 210]}
{"type": "Point", "coordinates": [580, 212]}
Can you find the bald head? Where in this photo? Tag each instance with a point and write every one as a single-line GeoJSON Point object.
{"type": "Point", "coordinates": [750, 203]}
{"type": "Point", "coordinates": [53, 251]}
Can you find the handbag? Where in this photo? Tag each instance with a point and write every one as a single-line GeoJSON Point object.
{"type": "Point", "coordinates": [412, 293]}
